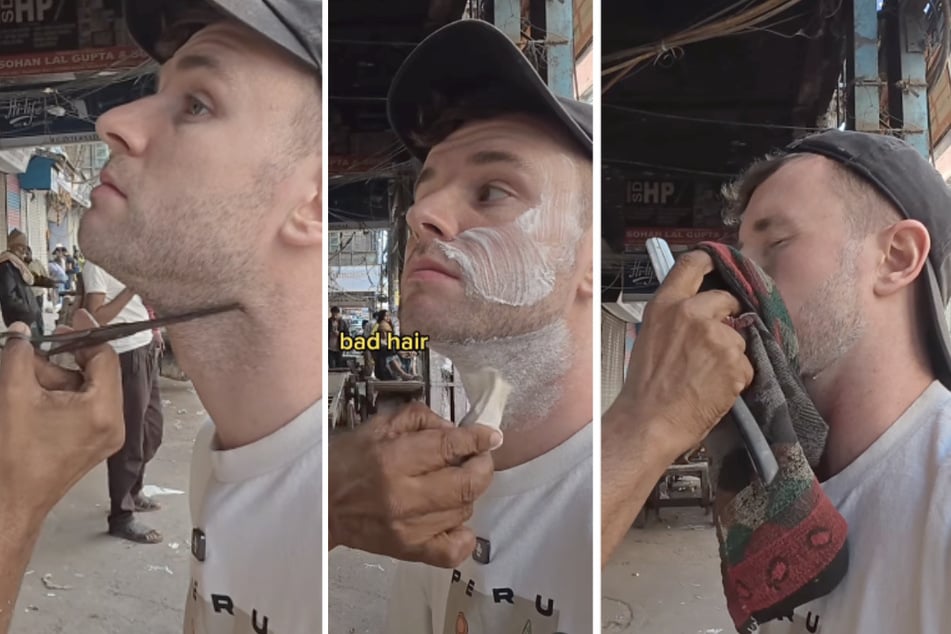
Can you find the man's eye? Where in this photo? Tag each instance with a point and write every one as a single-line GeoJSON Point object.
{"type": "Point", "coordinates": [489, 193]}
{"type": "Point", "coordinates": [196, 108]}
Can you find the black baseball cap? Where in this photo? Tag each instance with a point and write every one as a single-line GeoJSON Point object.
{"type": "Point", "coordinates": [463, 57]}
{"type": "Point", "coordinates": [900, 173]}
{"type": "Point", "coordinates": [294, 25]}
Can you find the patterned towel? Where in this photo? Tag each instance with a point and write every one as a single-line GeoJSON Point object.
{"type": "Point", "coordinates": [785, 544]}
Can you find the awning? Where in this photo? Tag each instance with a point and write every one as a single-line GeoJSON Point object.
{"type": "Point", "coordinates": [15, 161]}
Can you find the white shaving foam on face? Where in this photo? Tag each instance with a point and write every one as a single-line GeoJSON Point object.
{"type": "Point", "coordinates": [517, 264]}
{"type": "Point", "coordinates": [531, 364]}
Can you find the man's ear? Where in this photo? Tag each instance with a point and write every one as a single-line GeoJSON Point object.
{"type": "Point", "coordinates": [905, 247]}
{"type": "Point", "coordinates": [303, 226]}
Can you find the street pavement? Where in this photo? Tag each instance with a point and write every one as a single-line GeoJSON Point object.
{"type": "Point", "coordinates": [359, 586]}
{"type": "Point", "coordinates": [116, 586]}
{"type": "Point", "coordinates": [665, 578]}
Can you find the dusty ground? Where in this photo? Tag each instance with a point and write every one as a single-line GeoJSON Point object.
{"type": "Point", "coordinates": [665, 579]}
{"type": "Point", "coordinates": [359, 586]}
{"type": "Point", "coordinates": [116, 586]}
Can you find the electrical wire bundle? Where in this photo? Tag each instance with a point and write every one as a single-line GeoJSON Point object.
{"type": "Point", "coordinates": [736, 19]}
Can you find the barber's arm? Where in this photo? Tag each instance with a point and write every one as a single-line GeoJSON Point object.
{"type": "Point", "coordinates": [404, 484]}
{"type": "Point", "coordinates": [40, 457]}
{"type": "Point", "coordinates": [103, 311]}
{"type": "Point", "coordinates": [686, 370]}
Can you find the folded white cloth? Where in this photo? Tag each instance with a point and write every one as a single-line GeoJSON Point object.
{"type": "Point", "coordinates": [488, 393]}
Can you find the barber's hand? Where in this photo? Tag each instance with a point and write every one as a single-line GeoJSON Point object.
{"type": "Point", "coordinates": [688, 366]}
{"type": "Point", "coordinates": [55, 425]}
{"type": "Point", "coordinates": [403, 484]}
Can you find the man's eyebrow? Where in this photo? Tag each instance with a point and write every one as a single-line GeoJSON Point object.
{"type": "Point", "coordinates": [771, 222]}
{"type": "Point", "coordinates": [765, 224]}
{"type": "Point", "coordinates": [196, 61]}
{"type": "Point", "coordinates": [487, 157]}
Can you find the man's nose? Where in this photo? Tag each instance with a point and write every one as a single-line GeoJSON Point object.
{"type": "Point", "coordinates": [436, 216]}
{"type": "Point", "coordinates": [125, 128]}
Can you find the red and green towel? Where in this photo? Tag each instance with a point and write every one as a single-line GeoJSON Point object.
{"type": "Point", "coordinates": [784, 544]}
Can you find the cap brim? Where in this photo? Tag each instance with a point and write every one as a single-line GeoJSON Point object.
{"type": "Point", "coordinates": [147, 19]}
{"type": "Point", "coordinates": [939, 345]}
{"type": "Point", "coordinates": [458, 59]}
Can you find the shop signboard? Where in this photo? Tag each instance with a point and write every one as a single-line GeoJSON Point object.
{"type": "Point", "coordinates": [45, 37]}
{"type": "Point", "coordinates": [636, 237]}
{"type": "Point", "coordinates": [639, 276]}
{"type": "Point", "coordinates": [63, 116]}
{"type": "Point", "coordinates": [658, 202]}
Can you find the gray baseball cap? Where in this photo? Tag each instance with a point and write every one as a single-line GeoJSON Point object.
{"type": "Point", "coordinates": [908, 181]}
{"type": "Point", "coordinates": [294, 25]}
{"type": "Point", "coordinates": [464, 56]}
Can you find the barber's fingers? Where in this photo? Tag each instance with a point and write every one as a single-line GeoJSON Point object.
{"type": "Point", "coordinates": [102, 373]}
{"type": "Point", "coordinates": [413, 417]}
{"type": "Point", "coordinates": [99, 364]}
{"type": "Point", "coordinates": [83, 320]}
{"type": "Point", "coordinates": [448, 489]}
{"type": "Point", "coordinates": [714, 305]}
{"type": "Point", "coordinates": [685, 277]}
{"type": "Point", "coordinates": [56, 378]}
{"type": "Point", "coordinates": [431, 450]}
{"type": "Point", "coordinates": [446, 550]}
{"type": "Point", "coordinates": [16, 362]}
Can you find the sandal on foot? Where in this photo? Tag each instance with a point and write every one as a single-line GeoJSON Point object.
{"type": "Point", "coordinates": [144, 504]}
{"type": "Point", "coordinates": [136, 532]}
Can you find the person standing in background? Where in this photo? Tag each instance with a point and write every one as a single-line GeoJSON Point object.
{"type": "Point", "coordinates": [336, 326]}
{"type": "Point", "coordinates": [58, 273]}
{"type": "Point", "coordinates": [70, 266]}
{"type": "Point", "coordinates": [383, 327]}
{"type": "Point", "coordinates": [16, 297]}
{"type": "Point", "coordinates": [80, 260]}
{"type": "Point", "coordinates": [41, 279]}
{"type": "Point", "coordinates": [110, 302]}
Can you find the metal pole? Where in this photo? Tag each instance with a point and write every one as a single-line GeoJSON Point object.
{"type": "Point", "coordinates": [914, 84]}
{"type": "Point", "coordinates": [560, 44]}
{"type": "Point", "coordinates": [508, 17]}
{"type": "Point", "coordinates": [865, 52]}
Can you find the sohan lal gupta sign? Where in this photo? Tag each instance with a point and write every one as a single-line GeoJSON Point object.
{"type": "Point", "coordinates": [40, 37]}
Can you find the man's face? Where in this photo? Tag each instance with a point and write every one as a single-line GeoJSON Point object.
{"type": "Point", "coordinates": [18, 250]}
{"type": "Point", "coordinates": [796, 228]}
{"type": "Point", "coordinates": [495, 232]}
{"type": "Point", "coordinates": [202, 174]}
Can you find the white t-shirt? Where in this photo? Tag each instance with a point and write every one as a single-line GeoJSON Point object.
{"type": "Point", "coordinates": [896, 498]}
{"type": "Point", "coordinates": [96, 280]}
{"type": "Point", "coordinates": [537, 520]}
{"type": "Point", "coordinates": [259, 509]}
